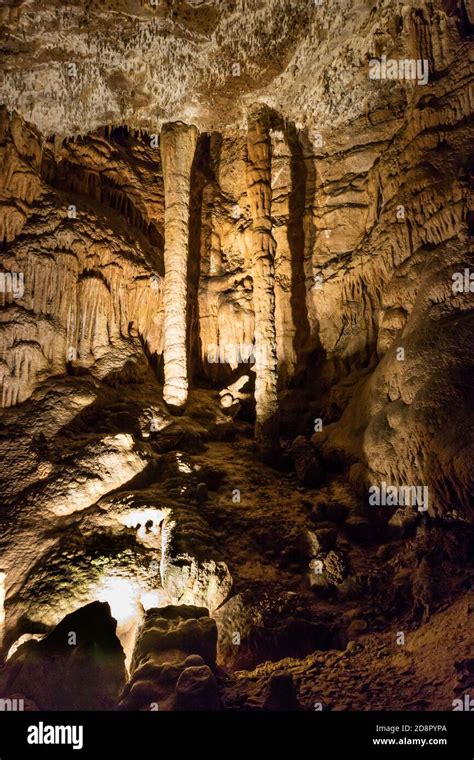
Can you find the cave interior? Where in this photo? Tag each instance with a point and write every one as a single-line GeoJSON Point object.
{"type": "Point", "coordinates": [236, 350]}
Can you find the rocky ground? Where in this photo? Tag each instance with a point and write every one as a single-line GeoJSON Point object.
{"type": "Point", "coordinates": [314, 604]}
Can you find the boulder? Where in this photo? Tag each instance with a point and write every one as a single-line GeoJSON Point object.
{"type": "Point", "coordinates": [196, 689]}
{"type": "Point", "coordinates": [174, 662]}
{"type": "Point", "coordinates": [327, 571]}
{"type": "Point", "coordinates": [80, 665]}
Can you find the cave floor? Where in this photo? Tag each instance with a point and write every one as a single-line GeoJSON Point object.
{"type": "Point", "coordinates": [397, 662]}
{"type": "Point", "coordinates": [377, 673]}
{"type": "Point", "coordinates": [353, 639]}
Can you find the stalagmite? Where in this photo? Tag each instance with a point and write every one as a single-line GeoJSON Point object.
{"type": "Point", "coordinates": [177, 143]}
{"type": "Point", "coordinates": [258, 175]}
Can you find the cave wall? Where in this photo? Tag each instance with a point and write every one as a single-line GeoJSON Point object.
{"type": "Point", "coordinates": [371, 191]}
{"type": "Point", "coordinates": [84, 224]}
{"type": "Point", "coordinates": [91, 286]}
{"type": "Point", "coordinates": [409, 420]}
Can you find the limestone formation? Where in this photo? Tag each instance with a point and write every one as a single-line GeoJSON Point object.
{"type": "Point", "coordinates": [177, 144]}
{"type": "Point", "coordinates": [173, 662]}
{"type": "Point", "coordinates": [258, 176]}
{"type": "Point", "coordinates": [236, 287]}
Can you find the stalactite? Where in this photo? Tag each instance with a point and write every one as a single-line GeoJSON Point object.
{"type": "Point", "coordinates": [257, 156]}
{"type": "Point", "coordinates": [177, 144]}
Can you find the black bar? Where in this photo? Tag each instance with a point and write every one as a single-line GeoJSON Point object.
{"type": "Point", "coordinates": [318, 735]}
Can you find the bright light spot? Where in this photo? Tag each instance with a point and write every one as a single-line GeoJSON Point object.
{"type": "Point", "coordinates": [147, 522]}
{"type": "Point", "coordinates": [155, 598]}
{"type": "Point", "coordinates": [125, 439]}
{"type": "Point", "coordinates": [123, 596]}
{"type": "Point", "coordinates": [183, 466]}
{"type": "Point", "coordinates": [140, 517]}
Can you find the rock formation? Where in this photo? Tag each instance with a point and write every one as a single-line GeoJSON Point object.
{"type": "Point", "coordinates": [177, 143]}
{"type": "Point", "coordinates": [78, 666]}
{"type": "Point", "coordinates": [258, 176]}
{"type": "Point", "coordinates": [173, 662]}
{"type": "Point", "coordinates": [236, 282]}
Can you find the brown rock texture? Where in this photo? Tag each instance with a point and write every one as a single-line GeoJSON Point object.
{"type": "Point", "coordinates": [236, 299]}
{"type": "Point", "coordinates": [258, 174]}
{"type": "Point", "coordinates": [363, 227]}
{"type": "Point", "coordinates": [173, 662]}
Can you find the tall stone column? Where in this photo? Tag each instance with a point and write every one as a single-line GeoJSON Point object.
{"type": "Point", "coordinates": [257, 156]}
{"type": "Point", "coordinates": [177, 145]}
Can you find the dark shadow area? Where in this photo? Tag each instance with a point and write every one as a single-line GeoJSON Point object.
{"type": "Point", "coordinates": [199, 176]}
{"type": "Point", "coordinates": [302, 188]}
{"type": "Point", "coordinates": [69, 175]}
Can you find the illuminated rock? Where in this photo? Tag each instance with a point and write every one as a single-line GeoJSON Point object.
{"type": "Point", "coordinates": [177, 144]}
{"type": "Point", "coordinates": [173, 662]}
{"type": "Point", "coordinates": [257, 157]}
{"type": "Point", "coordinates": [188, 573]}
{"type": "Point", "coordinates": [109, 463]}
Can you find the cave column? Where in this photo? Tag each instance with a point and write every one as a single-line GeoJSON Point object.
{"type": "Point", "coordinates": [177, 146]}
{"type": "Point", "coordinates": [257, 156]}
